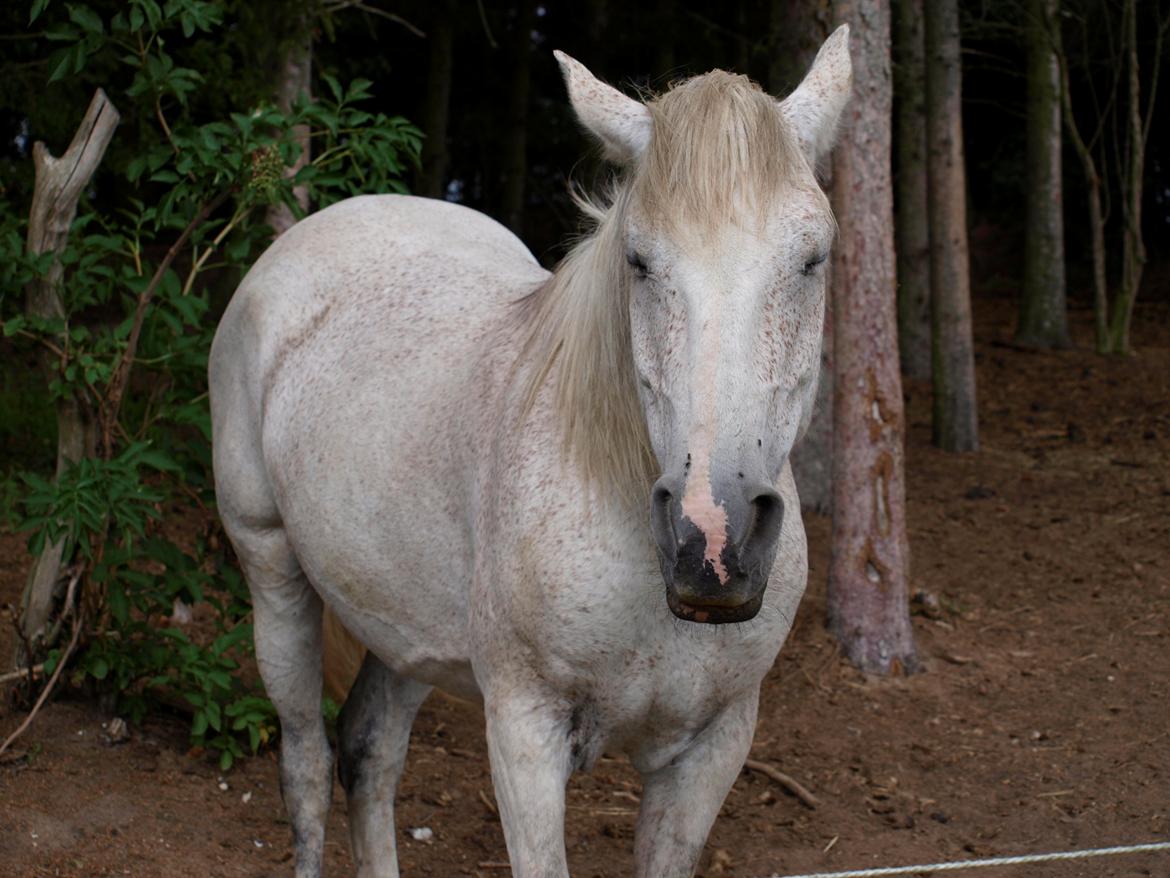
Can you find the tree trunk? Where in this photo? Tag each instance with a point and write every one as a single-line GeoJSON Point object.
{"type": "Point", "coordinates": [1096, 214]}
{"type": "Point", "coordinates": [296, 78]}
{"type": "Point", "coordinates": [432, 177]}
{"type": "Point", "coordinates": [796, 30]}
{"type": "Point", "coordinates": [59, 184]}
{"type": "Point", "coordinates": [912, 230]}
{"type": "Point", "coordinates": [1133, 248]}
{"type": "Point", "coordinates": [869, 569]}
{"type": "Point", "coordinates": [1043, 312]}
{"type": "Point", "coordinates": [516, 135]}
{"type": "Point", "coordinates": [797, 34]}
{"type": "Point", "coordinates": [955, 421]}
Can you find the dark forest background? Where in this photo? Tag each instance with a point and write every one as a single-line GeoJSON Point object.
{"type": "Point", "coordinates": [506, 95]}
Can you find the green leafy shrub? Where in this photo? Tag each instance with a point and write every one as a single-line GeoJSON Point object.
{"type": "Point", "coordinates": [149, 266]}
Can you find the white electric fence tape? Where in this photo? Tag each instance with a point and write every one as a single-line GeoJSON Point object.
{"type": "Point", "coordinates": [1163, 846]}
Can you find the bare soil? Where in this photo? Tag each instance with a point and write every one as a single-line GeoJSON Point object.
{"type": "Point", "coordinates": [1039, 724]}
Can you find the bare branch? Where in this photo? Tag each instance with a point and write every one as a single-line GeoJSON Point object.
{"type": "Point", "coordinates": [70, 597]}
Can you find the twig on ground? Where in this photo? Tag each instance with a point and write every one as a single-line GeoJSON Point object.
{"type": "Point", "coordinates": [488, 803]}
{"type": "Point", "coordinates": [790, 784]}
{"type": "Point", "coordinates": [12, 676]}
{"type": "Point", "coordinates": [70, 607]}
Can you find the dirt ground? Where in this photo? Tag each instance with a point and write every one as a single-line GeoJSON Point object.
{"type": "Point", "coordinates": [1040, 723]}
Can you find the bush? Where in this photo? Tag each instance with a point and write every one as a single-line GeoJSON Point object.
{"type": "Point", "coordinates": [147, 258]}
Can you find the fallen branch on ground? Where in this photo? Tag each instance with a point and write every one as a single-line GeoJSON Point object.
{"type": "Point", "coordinates": [790, 784]}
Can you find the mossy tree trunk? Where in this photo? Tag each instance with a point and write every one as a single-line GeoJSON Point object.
{"type": "Point", "coordinates": [869, 568]}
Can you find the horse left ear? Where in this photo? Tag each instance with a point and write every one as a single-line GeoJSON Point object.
{"type": "Point", "coordinates": [814, 108]}
{"type": "Point", "coordinates": [622, 124]}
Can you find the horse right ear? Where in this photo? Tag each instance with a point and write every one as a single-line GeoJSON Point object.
{"type": "Point", "coordinates": [815, 107]}
{"type": "Point", "coordinates": [622, 124]}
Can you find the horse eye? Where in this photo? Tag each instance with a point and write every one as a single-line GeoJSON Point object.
{"type": "Point", "coordinates": [811, 265]}
{"type": "Point", "coordinates": [637, 263]}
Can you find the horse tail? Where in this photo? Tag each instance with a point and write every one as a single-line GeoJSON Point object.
{"type": "Point", "coordinates": [343, 655]}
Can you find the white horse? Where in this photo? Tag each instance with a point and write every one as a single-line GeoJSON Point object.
{"type": "Point", "coordinates": [536, 488]}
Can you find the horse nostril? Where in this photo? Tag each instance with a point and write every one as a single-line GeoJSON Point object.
{"type": "Point", "coordinates": [661, 519]}
{"type": "Point", "coordinates": [767, 515]}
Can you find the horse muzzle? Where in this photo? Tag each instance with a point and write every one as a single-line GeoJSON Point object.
{"type": "Point", "coordinates": [727, 586]}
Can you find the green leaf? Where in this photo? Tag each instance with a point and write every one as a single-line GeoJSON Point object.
{"type": "Point", "coordinates": [99, 669]}
{"type": "Point", "coordinates": [38, 7]}
{"type": "Point", "coordinates": [85, 18]}
{"type": "Point", "coordinates": [59, 63]}
{"type": "Point", "coordinates": [62, 33]}
{"type": "Point", "coordinates": [225, 760]}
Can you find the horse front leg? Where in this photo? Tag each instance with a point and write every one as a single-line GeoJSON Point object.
{"type": "Point", "coordinates": [681, 799]}
{"type": "Point", "coordinates": [529, 746]}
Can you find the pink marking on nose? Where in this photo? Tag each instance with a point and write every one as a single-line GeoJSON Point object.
{"type": "Point", "coordinates": [711, 520]}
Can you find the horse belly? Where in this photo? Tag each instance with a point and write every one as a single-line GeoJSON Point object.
{"type": "Point", "coordinates": [368, 410]}
{"type": "Point", "coordinates": [368, 497]}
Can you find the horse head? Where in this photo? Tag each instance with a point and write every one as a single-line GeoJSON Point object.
{"type": "Point", "coordinates": [715, 247]}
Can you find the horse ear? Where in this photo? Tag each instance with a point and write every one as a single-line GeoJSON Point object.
{"type": "Point", "coordinates": [814, 108]}
{"type": "Point", "coordinates": [622, 124]}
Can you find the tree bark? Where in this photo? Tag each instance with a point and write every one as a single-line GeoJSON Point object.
{"type": "Point", "coordinates": [869, 568]}
{"type": "Point", "coordinates": [432, 177]}
{"type": "Point", "coordinates": [796, 29]}
{"type": "Point", "coordinates": [1133, 248]}
{"type": "Point", "coordinates": [955, 420]}
{"type": "Point", "coordinates": [912, 220]}
{"type": "Point", "coordinates": [296, 78]}
{"type": "Point", "coordinates": [1084, 152]}
{"type": "Point", "coordinates": [58, 188]}
{"type": "Point", "coordinates": [1043, 310]}
{"type": "Point", "coordinates": [516, 134]}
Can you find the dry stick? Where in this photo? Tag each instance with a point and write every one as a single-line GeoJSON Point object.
{"type": "Point", "coordinates": [21, 674]}
{"type": "Point", "coordinates": [44, 696]}
{"type": "Point", "coordinates": [790, 784]}
{"type": "Point", "coordinates": [117, 386]}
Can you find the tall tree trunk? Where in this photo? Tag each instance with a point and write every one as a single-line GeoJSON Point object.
{"type": "Point", "coordinates": [797, 37]}
{"type": "Point", "coordinates": [295, 79]}
{"type": "Point", "coordinates": [955, 421]}
{"type": "Point", "coordinates": [869, 569]}
{"type": "Point", "coordinates": [796, 29]}
{"type": "Point", "coordinates": [1133, 248]}
{"type": "Point", "coordinates": [58, 187]}
{"type": "Point", "coordinates": [912, 229]}
{"type": "Point", "coordinates": [432, 176]}
{"type": "Point", "coordinates": [516, 135]}
{"type": "Point", "coordinates": [1084, 152]}
{"type": "Point", "coordinates": [1043, 311]}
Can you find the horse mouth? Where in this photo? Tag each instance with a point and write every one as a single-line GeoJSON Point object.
{"type": "Point", "coordinates": [713, 614]}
